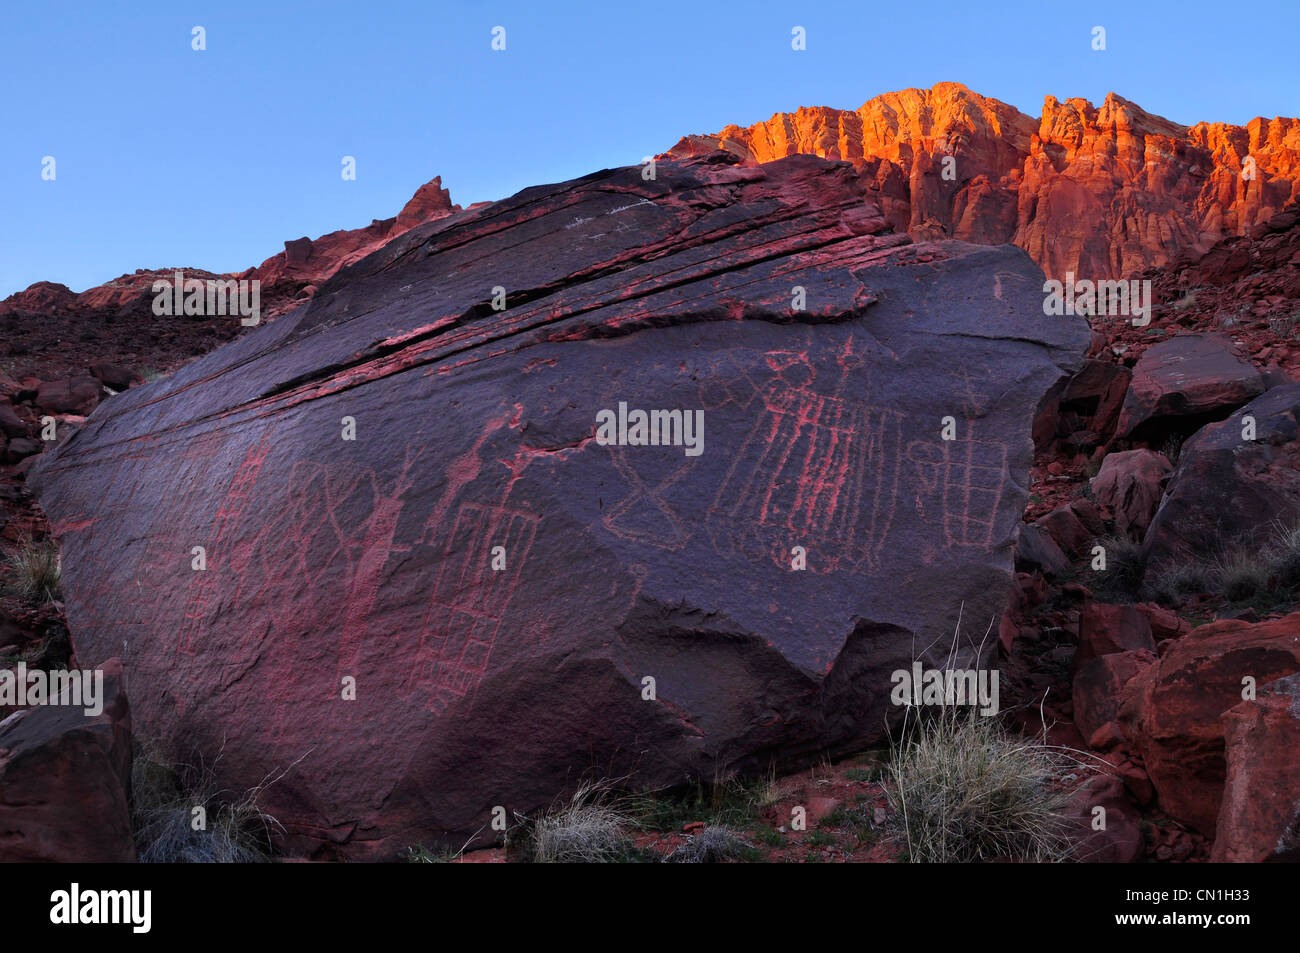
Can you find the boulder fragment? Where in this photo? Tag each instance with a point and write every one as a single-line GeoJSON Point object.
{"type": "Point", "coordinates": [64, 778]}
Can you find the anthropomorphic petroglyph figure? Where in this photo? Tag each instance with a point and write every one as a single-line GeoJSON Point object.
{"type": "Point", "coordinates": [817, 469]}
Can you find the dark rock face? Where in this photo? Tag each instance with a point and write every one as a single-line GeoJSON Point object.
{"type": "Point", "coordinates": [500, 582]}
{"type": "Point", "coordinates": [1120, 842]}
{"type": "Point", "coordinates": [1037, 549]}
{"type": "Point", "coordinates": [1109, 629]}
{"type": "Point", "coordinates": [1082, 410]}
{"type": "Point", "coordinates": [1099, 684]}
{"type": "Point", "coordinates": [1230, 485]}
{"type": "Point", "coordinates": [1184, 382]}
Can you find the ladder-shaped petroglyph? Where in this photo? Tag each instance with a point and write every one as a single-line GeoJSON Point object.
{"type": "Point", "coordinates": [230, 513]}
{"type": "Point", "coordinates": [959, 482]}
{"type": "Point", "coordinates": [469, 601]}
{"type": "Point", "coordinates": [470, 598]}
{"type": "Point", "coordinates": [817, 469]}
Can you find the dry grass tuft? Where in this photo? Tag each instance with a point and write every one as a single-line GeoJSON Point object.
{"type": "Point", "coordinates": [1242, 574]}
{"type": "Point", "coordinates": [1125, 567]}
{"type": "Point", "coordinates": [1284, 554]}
{"type": "Point", "coordinates": [169, 801]}
{"type": "Point", "coordinates": [713, 845]}
{"type": "Point", "coordinates": [35, 571]}
{"type": "Point", "coordinates": [963, 791]}
{"type": "Point", "coordinates": [590, 828]}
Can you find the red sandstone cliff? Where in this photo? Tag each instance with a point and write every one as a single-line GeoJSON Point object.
{"type": "Point", "coordinates": [306, 263]}
{"type": "Point", "coordinates": [1107, 191]}
{"type": "Point", "coordinates": [1102, 192]}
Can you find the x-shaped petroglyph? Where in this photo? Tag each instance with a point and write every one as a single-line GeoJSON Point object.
{"type": "Point", "coordinates": [675, 534]}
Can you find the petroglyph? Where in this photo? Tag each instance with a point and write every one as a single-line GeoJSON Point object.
{"type": "Point", "coordinates": [317, 541]}
{"type": "Point", "coordinates": [469, 601]}
{"type": "Point", "coordinates": [231, 511]}
{"type": "Point", "coordinates": [959, 483]}
{"type": "Point", "coordinates": [823, 471]}
{"type": "Point", "coordinates": [962, 480]}
{"type": "Point", "coordinates": [1010, 277]}
{"type": "Point", "coordinates": [339, 528]}
{"type": "Point", "coordinates": [374, 555]}
{"type": "Point", "coordinates": [815, 469]}
{"type": "Point", "coordinates": [644, 516]}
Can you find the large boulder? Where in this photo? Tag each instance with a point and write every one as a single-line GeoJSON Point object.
{"type": "Point", "coordinates": [64, 778]}
{"type": "Point", "coordinates": [1105, 629]}
{"type": "Point", "coordinates": [518, 596]}
{"type": "Point", "coordinates": [1229, 485]}
{"type": "Point", "coordinates": [1131, 484]}
{"type": "Point", "coordinates": [76, 395]}
{"type": "Point", "coordinates": [1084, 409]}
{"type": "Point", "coordinates": [1173, 710]}
{"type": "Point", "coordinates": [1260, 816]}
{"type": "Point", "coordinates": [1098, 687]}
{"type": "Point", "coordinates": [1184, 382]}
{"type": "Point", "coordinates": [1095, 396]}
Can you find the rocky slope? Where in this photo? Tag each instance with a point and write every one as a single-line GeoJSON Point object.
{"type": "Point", "coordinates": [1101, 192]}
{"type": "Point", "coordinates": [50, 331]}
{"type": "Point", "coordinates": [1177, 450]}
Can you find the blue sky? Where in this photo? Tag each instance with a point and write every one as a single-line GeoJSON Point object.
{"type": "Point", "coordinates": [171, 157]}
